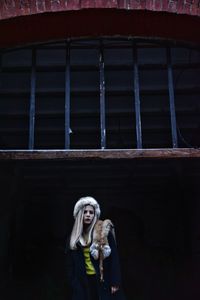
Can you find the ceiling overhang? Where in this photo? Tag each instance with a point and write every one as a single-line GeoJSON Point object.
{"type": "Point", "coordinates": [24, 22]}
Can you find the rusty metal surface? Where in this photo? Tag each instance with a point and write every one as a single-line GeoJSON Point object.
{"type": "Point", "coordinates": [13, 8]}
{"type": "Point", "coordinates": [100, 154]}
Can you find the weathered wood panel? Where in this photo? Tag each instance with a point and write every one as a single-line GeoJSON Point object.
{"type": "Point", "coordinates": [99, 154]}
{"type": "Point", "coordinates": [13, 8]}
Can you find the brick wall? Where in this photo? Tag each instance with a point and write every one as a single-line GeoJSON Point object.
{"type": "Point", "coordinates": [13, 8]}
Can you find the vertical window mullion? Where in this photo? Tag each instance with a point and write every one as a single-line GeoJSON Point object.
{"type": "Point", "coordinates": [102, 97]}
{"type": "Point", "coordinates": [32, 102]}
{"type": "Point", "coordinates": [1, 70]}
{"type": "Point", "coordinates": [171, 99]}
{"type": "Point", "coordinates": [137, 98]}
{"type": "Point", "coordinates": [67, 97]}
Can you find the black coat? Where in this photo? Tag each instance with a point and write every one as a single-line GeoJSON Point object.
{"type": "Point", "coordinates": [77, 274]}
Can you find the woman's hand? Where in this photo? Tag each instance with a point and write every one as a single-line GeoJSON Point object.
{"type": "Point", "coordinates": [114, 289]}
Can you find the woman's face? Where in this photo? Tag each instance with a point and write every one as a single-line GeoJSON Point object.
{"type": "Point", "coordinates": [88, 215]}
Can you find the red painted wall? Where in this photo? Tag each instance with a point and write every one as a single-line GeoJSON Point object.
{"type": "Point", "coordinates": [28, 21]}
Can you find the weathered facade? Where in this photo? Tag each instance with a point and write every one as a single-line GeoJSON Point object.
{"type": "Point", "coordinates": [100, 98]}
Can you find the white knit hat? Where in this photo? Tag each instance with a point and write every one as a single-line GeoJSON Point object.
{"type": "Point", "coordinates": [86, 201]}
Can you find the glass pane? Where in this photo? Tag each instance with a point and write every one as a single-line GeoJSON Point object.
{"type": "Point", "coordinates": [85, 110]}
{"type": "Point", "coordinates": [186, 71]}
{"type": "Point", "coordinates": [120, 116]}
{"type": "Point", "coordinates": [49, 122]}
{"type": "Point", "coordinates": [154, 96]}
{"type": "Point", "coordinates": [14, 121]}
{"type": "Point", "coordinates": [17, 58]}
{"type": "Point", "coordinates": [14, 99]}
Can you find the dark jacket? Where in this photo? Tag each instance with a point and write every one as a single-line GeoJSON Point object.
{"type": "Point", "coordinates": [77, 274]}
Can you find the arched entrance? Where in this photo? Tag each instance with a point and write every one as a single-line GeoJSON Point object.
{"type": "Point", "coordinates": [151, 194]}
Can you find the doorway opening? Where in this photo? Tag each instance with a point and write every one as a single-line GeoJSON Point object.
{"type": "Point", "coordinates": [153, 204]}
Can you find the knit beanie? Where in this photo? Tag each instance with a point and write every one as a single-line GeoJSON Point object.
{"type": "Point", "coordinates": [86, 201]}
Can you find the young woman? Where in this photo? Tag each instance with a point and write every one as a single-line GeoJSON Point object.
{"type": "Point", "coordinates": [92, 259]}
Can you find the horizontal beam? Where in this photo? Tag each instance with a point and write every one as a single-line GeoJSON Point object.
{"type": "Point", "coordinates": [95, 93]}
{"type": "Point", "coordinates": [92, 67]}
{"type": "Point", "coordinates": [84, 112]}
{"type": "Point", "coordinates": [99, 154]}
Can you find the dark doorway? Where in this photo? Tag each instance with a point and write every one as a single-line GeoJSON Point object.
{"type": "Point", "coordinates": [153, 204]}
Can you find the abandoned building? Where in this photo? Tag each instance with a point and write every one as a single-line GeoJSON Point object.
{"type": "Point", "coordinates": [100, 98]}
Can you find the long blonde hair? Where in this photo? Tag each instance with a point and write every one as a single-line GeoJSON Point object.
{"type": "Point", "coordinates": [77, 235]}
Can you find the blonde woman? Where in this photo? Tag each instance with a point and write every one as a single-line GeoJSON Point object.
{"type": "Point", "coordinates": [92, 260]}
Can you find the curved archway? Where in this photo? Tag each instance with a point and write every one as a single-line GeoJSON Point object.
{"type": "Point", "coordinates": [39, 22]}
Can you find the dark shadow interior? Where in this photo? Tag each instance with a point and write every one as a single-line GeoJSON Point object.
{"type": "Point", "coordinates": [154, 205]}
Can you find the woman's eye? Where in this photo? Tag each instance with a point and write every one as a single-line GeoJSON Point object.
{"type": "Point", "coordinates": [90, 212]}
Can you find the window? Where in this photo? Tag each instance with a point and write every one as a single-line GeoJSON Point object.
{"type": "Point", "coordinates": [100, 94]}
